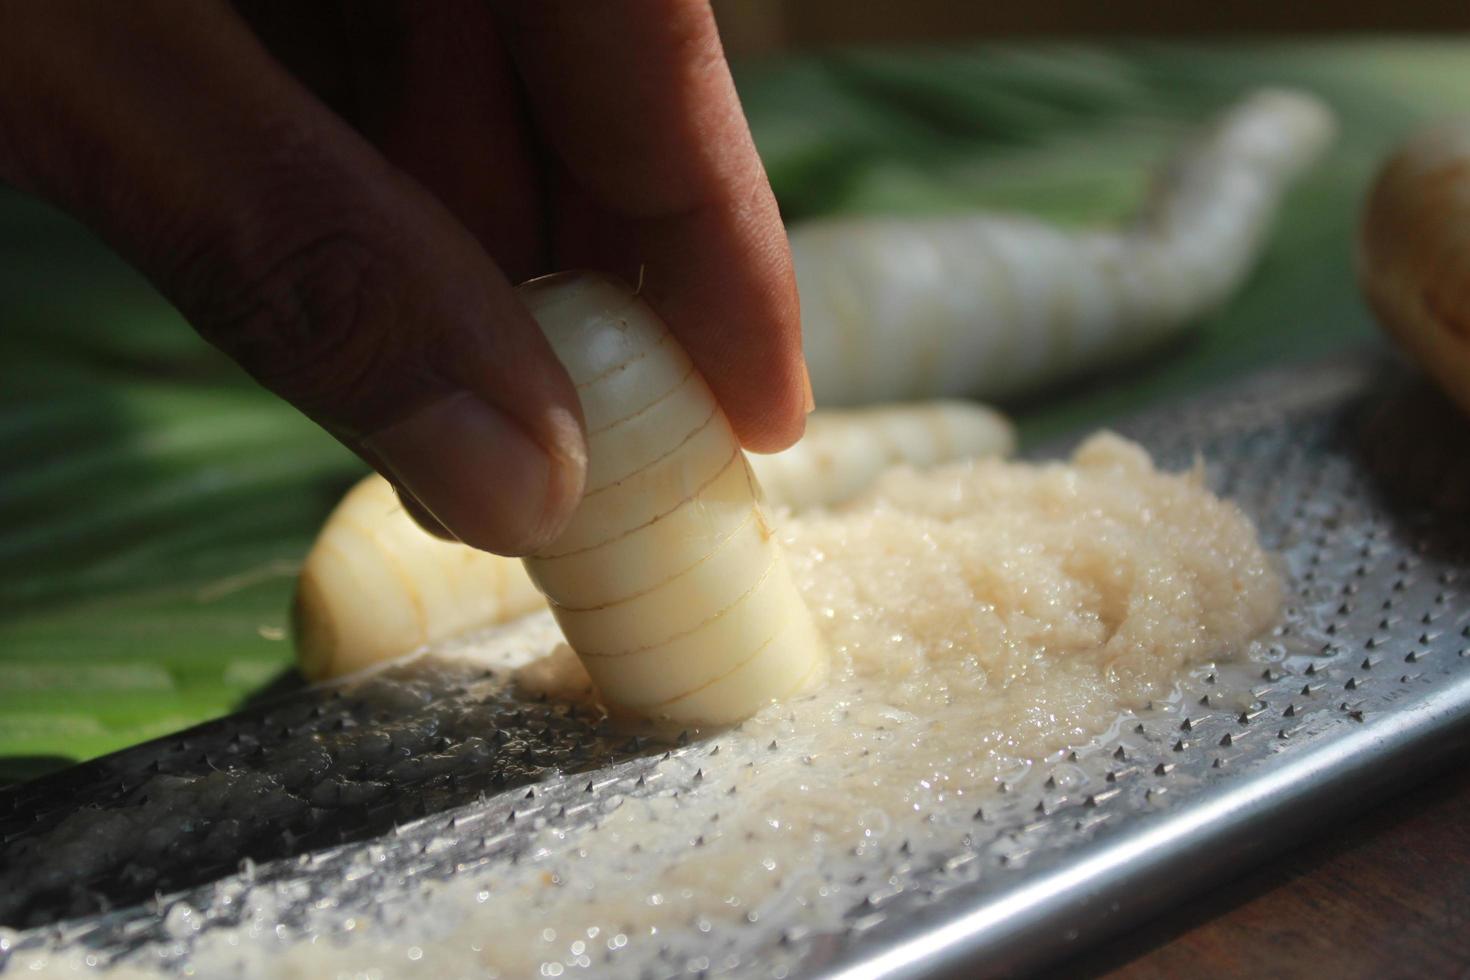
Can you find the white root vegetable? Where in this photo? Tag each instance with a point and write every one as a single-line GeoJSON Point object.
{"type": "Point", "coordinates": [668, 581]}
{"type": "Point", "coordinates": [991, 305]}
{"type": "Point", "coordinates": [844, 451]}
{"type": "Point", "coordinates": [1414, 252]}
{"type": "Point", "coordinates": [375, 585]}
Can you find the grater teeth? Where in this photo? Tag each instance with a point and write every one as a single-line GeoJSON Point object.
{"type": "Point", "coordinates": [326, 767]}
{"type": "Point", "coordinates": [349, 800]}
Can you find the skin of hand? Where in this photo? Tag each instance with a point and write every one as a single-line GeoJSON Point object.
{"type": "Point", "coordinates": [339, 195]}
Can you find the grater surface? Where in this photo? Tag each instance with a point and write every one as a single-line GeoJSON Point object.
{"type": "Point", "coordinates": [1356, 478]}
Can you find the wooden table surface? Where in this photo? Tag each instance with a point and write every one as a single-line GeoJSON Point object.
{"type": "Point", "coordinates": [1386, 894]}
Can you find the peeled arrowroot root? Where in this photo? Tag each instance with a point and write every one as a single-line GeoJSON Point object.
{"type": "Point", "coordinates": [842, 452]}
{"type": "Point", "coordinates": [376, 585]}
{"type": "Point", "coordinates": [993, 305]}
{"type": "Point", "coordinates": [668, 581]}
{"type": "Point", "coordinates": [1414, 252]}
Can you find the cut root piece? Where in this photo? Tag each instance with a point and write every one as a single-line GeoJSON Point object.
{"type": "Point", "coordinates": [376, 586]}
{"type": "Point", "coordinates": [844, 451]}
{"type": "Point", "coordinates": [675, 496]}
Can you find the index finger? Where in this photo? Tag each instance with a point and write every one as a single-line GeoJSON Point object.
{"type": "Point", "coordinates": [660, 181]}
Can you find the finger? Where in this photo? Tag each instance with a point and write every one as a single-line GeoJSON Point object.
{"type": "Point", "coordinates": [309, 40]}
{"type": "Point", "coordinates": [338, 282]}
{"type": "Point", "coordinates": [438, 95]}
{"type": "Point", "coordinates": [422, 517]}
{"type": "Point", "coordinates": [635, 99]}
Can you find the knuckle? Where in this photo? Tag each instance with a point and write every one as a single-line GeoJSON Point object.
{"type": "Point", "coordinates": [307, 277]}
{"type": "Point", "coordinates": [308, 320]}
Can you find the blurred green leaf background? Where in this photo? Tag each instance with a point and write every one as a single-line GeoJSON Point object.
{"type": "Point", "coordinates": [154, 503]}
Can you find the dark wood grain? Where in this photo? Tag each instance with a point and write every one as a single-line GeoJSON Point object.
{"type": "Point", "coordinates": [1384, 895]}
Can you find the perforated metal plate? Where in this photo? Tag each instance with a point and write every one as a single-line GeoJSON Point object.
{"type": "Point", "coordinates": [350, 800]}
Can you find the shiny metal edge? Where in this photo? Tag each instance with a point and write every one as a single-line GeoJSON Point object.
{"type": "Point", "coordinates": [1122, 878]}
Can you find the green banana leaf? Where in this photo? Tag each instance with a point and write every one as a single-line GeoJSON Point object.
{"type": "Point", "coordinates": [154, 503]}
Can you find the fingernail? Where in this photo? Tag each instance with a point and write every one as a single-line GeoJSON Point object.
{"type": "Point", "coordinates": [481, 475]}
{"type": "Point", "coordinates": [811, 399]}
{"type": "Point", "coordinates": [421, 515]}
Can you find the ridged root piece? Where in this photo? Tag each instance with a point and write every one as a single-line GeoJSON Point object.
{"type": "Point", "coordinates": [842, 452]}
{"type": "Point", "coordinates": [992, 306]}
{"type": "Point", "coordinates": [375, 586]}
{"type": "Point", "coordinates": [668, 581]}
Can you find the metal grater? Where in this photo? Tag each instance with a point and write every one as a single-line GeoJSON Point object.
{"type": "Point", "coordinates": [1357, 477]}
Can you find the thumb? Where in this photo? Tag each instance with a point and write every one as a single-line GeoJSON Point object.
{"type": "Point", "coordinates": [291, 244]}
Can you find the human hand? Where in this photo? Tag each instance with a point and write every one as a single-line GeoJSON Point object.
{"type": "Point", "coordinates": [339, 195]}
